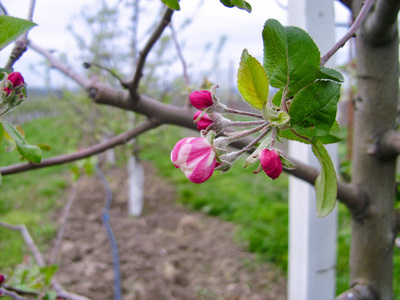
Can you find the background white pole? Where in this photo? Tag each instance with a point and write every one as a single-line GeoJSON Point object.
{"type": "Point", "coordinates": [312, 241]}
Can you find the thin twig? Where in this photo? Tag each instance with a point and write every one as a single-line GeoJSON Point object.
{"type": "Point", "coordinates": [3, 8]}
{"type": "Point", "coordinates": [28, 241]}
{"type": "Point", "coordinates": [22, 292]}
{"type": "Point", "coordinates": [180, 54]}
{"type": "Point", "coordinates": [166, 19]}
{"type": "Point", "coordinates": [40, 261]}
{"type": "Point", "coordinates": [120, 139]}
{"type": "Point", "coordinates": [21, 44]}
{"type": "Point", "coordinates": [123, 83]}
{"type": "Point", "coordinates": [11, 294]}
{"type": "Point", "coordinates": [243, 113]}
{"type": "Point", "coordinates": [64, 219]}
{"type": "Point", "coordinates": [357, 23]}
{"type": "Point", "coordinates": [57, 64]}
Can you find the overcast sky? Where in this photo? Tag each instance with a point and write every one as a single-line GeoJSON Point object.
{"type": "Point", "coordinates": [211, 21]}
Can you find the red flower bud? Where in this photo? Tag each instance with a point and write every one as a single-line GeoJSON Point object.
{"type": "Point", "coordinates": [2, 279]}
{"type": "Point", "coordinates": [271, 163]}
{"type": "Point", "coordinates": [201, 99]}
{"type": "Point", "coordinates": [16, 79]}
{"type": "Point", "coordinates": [7, 90]}
{"type": "Point", "coordinates": [204, 121]}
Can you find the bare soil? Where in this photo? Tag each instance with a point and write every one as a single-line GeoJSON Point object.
{"type": "Point", "coordinates": [170, 252]}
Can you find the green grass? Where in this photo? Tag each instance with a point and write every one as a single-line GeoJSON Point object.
{"type": "Point", "coordinates": [28, 198]}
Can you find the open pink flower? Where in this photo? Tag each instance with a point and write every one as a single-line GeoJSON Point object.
{"type": "Point", "coordinates": [195, 157]}
{"type": "Point", "coordinates": [201, 99]}
{"type": "Point", "coordinates": [271, 163]}
{"type": "Point", "coordinates": [204, 121]}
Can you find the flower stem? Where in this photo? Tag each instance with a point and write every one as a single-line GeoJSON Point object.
{"type": "Point", "coordinates": [243, 113]}
{"type": "Point", "coordinates": [248, 123]}
{"type": "Point", "coordinates": [256, 140]}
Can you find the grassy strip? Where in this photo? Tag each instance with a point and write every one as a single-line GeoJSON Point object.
{"type": "Point", "coordinates": [30, 197]}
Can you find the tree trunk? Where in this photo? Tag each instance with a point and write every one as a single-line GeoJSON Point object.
{"type": "Point", "coordinates": [373, 234]}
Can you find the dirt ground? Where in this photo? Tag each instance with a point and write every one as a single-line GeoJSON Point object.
{"type": "Point", "coordinates": [169, 253]}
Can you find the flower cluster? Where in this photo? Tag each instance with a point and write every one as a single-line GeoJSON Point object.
{"type": "Point", "coordinates": [199, 157]}
{"type": "Point", "coordinates": [12, 88]}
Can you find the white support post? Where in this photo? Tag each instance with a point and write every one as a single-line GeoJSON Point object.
{"type": "Point", "coordinates": [312, 240]}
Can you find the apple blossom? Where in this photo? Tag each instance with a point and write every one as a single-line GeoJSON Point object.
{"type": "Point", "coordinates": [271, 163]}
{"type": "Point", "coordinates": [195, 157]}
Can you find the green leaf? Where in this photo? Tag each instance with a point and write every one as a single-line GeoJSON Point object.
{"type": "Point", "coordinates": [287, 164]}
{"type": "Point", "coordinates": [326, 183]}
{"type": "Point", "coordinates": [241, 4]}
{"type": "Point", "coordinates": [172, 4]}
{"type": "Point", "coordinates": [330, 74]}
{"type": "Point", "coordinates": [288, 134]}
{"type": "Point", "coordinates": [11, 28]}
{"type": "Point", "coordinates": [48, 272]}
{"type": "Point", "coordinates": [313, 109]}
{"type": "Point", "coordinates": [334, 136]}
{"type": "Point", "coordinates": [277, 99]}
{"type": "Point", "coordinates": [51, 295]}
{"type": "Point", "coordinates": [252, 81]}
{"type": "Point", "coordinates": [291, 58]}
{"type": "Point", "coordinates": [31, 153]}
{"type": "Point", "coordinates": [44, 147]}
{"type": "Point", "coordinates": [1, 180]}
{"type": "Point", "coordinates": [274, 114]}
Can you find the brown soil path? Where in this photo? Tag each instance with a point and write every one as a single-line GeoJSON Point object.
{"type": "Point", "coordinates": [171, 253]}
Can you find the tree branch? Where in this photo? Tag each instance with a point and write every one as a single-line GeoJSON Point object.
{"type": "Point", "coordinates": [134, 85]}
{"type": "Point", "coordinates": [358, 292]}
{"type": "Point", "coordinates": [63, 68]}
{"type": "Point", "coordinates": [40, 261]}
{"type": "Point", "coordinates": [356, 24]}
{"type": "Point", "coordinates": [95, 149]}
{"type": "Point", "coordinates": [387, 146]}
{"type": "Point", "coordinates": [11, 294]}
{"type": "Point", "coordinates": [21, 44]}
{"type": "Point", "coordinates": [380, 26]}
{"type": "Point", "coordinates": [180, 54]}
{"type": "Point", "coordinates": [346, 3]}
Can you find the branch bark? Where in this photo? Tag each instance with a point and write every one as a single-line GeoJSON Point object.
{"type": "Point", "coordinates": [134, 85]}
{"type": "Point", "coordinates": [95, 149]}
{"type": "Point", "coordinates": [371, 256]}
{"type": "Point", "coordinates": [380, 26]}
{"type": "Point", "coordinates": [358, 292]}
{"type": "Point", "coordinates": [350, 33]}
{"type": "Point", "coordinates": [21, 44]}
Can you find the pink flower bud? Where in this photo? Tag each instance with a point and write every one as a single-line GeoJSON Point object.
{"type": "Point", "coordinates": [2, 279]}
{"type": "Point", "coordinates": [204, 121]}
{"type": "Point", "coordinates": [271, 163]}
{"type": "Point", "coordinates": [16, 79]}
{"type": "Point", "coordinates": [201, 99]}
{"type": "Point", "coordinates": [195, 157]}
